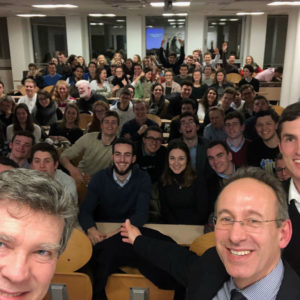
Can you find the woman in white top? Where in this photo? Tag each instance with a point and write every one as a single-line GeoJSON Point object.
{"type": "Point", "coordinates": [101, 85]}
{"type": "Point", "coordinates": [23, 121]}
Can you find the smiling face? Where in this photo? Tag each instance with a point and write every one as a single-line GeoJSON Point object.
{"type": "Point", "coordinates": [123, 158]}
{"type": "Point", "coordinates": [219, 160]}
{"type": "Point", "coordinates": [20, 147]}
{"type": "Point", "coordinates": [249, 255]}
{"type": "Point", "coordinates": [233, 128]}
{"type": "Point", "coordinates": [266, 127]}
{"type": "Point", "coordinates": [186, 91]}
{"type": "Point", "coordinates": [71, 115]}
{"type": "Point", "coordinates": [43, 101]}
{"type": "Point", "coordinates": [63, 91]}
{"type": "Point", "coordinates": [197, 76]}
{"type": "Point", "coordinates": [157, 92]}
{"type": "Point", "coordinates": [78, 73]}
{"type": "Point", "coordinates": [140, 111]}
{"type": "Point", "coordinates": [21, 115]}
{"type": "Point", "coordinates": [177, 161]}
{"type": "Point", "coordinates": [188, 127]}
{"type": "Point", "coordinates": [29, 89]}
{"type": "Point", "coordinates": [109, 126]}
{"type": "Point", "coordinates": [103, 75]}
{"type": "Point", "coordinates": [290, 147]}
{"type": "Point", "coordinates": [227, 100]}
{"type": "Point", "coordinates": [29, 250]}
{"type": "Point", "coordinates": [152, 142]}
{"type": "Point", "coordinates": [220, 77]}
{"type": "Point", "coordinates": [216, 119]}
{"type": "Point", "coordinates": [211, 97]}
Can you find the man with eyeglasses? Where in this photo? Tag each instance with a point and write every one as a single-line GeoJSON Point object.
{"type": "Point", "coordinates": [94, 148]}
{"type": "Point", "coordinates": [252, 227]}
{"type": "Point", "coordinates": [114, 194]}
{"type": "Point", "coordinates": [234, 127]}
{"type": "Point", "coordinates": [151, 156]}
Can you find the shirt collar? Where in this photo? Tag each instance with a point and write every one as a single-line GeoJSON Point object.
{"type": "Point", "coordinates": [120, 183]}
{"type": "Point", "coordinates": [293, 193]}
{"type": "Point", "coordinates": [266, 288]}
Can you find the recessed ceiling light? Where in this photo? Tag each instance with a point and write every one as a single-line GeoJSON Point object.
{"type": "Point", "coordinates": [222, 20]}
{"type": "Point", "coordinates": [222, 23]}
{"type": "Point", "coordinates": [180, 26]}
{"type": "Point", "coordinates": [54, 6]}
{"type": "Point", "coordinates": [120, 21]}
{"type": "Point", "coordinates": [172, 23]}
{"type": "Point", "coordinates": [31, 15]}
{"type": "Point", "coordinates": [168, 15]}
{"type": "Point", "coordinates": [249, 13]}
{"type": "Point", "coordinates": [157, 4]}
{"type": "Point", "coordinates": [213, 23]}
{"type": "Point", "coordinates": [233, 20]}
{"type": "Point", "coordinates": [174, 26]}
{"type": "Point", "coordinates": [277, 3]}
{"type": "Point", "coordinates": [181, 14]}
{"type": "Point", "coordinates": [182, 3]}
{"type": "Point", "coordinates": [102, 15]}
{"type": "Point", "coordinates": [149, 26]}
{"type": "Point", "coordinates": [171, 20]}
{"type": "Point", "coordinates": [181, 20]}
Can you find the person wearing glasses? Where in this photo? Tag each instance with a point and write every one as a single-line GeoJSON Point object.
{"type": "Point", "coordinates": [252, 226]}
{"type": "Point", "coordinates": [151, 156]}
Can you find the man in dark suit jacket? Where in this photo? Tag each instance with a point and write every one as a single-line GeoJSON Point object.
{"type": "Point", "coordinates": [289, 135]}
{"type": "Point", "coordinates": [252, 226]}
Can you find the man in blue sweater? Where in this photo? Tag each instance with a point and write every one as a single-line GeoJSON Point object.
{"type": "Point", "coordinates": [114, 194]}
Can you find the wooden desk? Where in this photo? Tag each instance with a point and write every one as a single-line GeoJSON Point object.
{"type": "Point", "coordinates": [182, 234]}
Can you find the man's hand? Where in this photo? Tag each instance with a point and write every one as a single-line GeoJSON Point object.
{"type": "Point", "coordinates": [162, 42]}
{"type": "Point", "coordinates": [124, 82]}
{"type": "Point", "coordinates": [180, 41]}
{"type": "Point", "coordinates": [216, 51]}
{"type": "Point", "coordinates": [142, 129]}
{"type": "Point", "coordinates": [129, 232]}
{"type": "Point", "coordinates": [224, 46]}
{"type": "Point", "coordinates": [76, 174]}
{"type": "Point", "coordinates": [95, 236]}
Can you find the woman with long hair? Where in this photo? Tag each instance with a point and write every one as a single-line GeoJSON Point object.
{"type": "Point", "coordinates": [61, 95]}
{"type": "Point", "coordinates": [119, 81]}
{"type": "Point", "coordinates": [136, 59]}
{"type": "Point", "coordinates": [103, 64]}
{"type": "Point", "coordinates": [250, 61]}
{"type": "Point", "coordinates": [68, 127]}
{"type": "Point", "coordinates": [170, 86]}
{"type": "Point", "coordinates": [182, 193]}
{"type": "Point", "coordinates": [198, 87]}
{"type": "Point", "coordinates": [143, 84]}
{"type": "Point", "coordinates": [158, 105]}
{"type": "Point", "coordinates": [209, 99]}
{"type": "Point", "coordinates": [46, 111]}
{"type": "Point", "coordinates": [99, 109]}
{"type": "Point", "coordinates": [7, 107]}
{"type": "Point", "coordinates": [220, 83]}
{"type": "Point", "coordinates": [22, 120]}
{"type": "Point", "coordinates": [100, 85]}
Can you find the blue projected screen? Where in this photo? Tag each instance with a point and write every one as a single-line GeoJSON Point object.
{"type": "Point", "coordinates": [154, 37]}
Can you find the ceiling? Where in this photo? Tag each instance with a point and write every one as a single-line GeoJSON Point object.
{"type": "Point", "coordinates": [138, 7]}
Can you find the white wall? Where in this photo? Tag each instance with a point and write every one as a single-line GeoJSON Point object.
{"type": "Point", "coordinates": [257, 39]}
{"type": "Point", "coordinates": [20, 45]}
{"type": "Point", "coordinates": [290, 91]}
{"type": "Point", "coordinates": [194, 33]}
{"type": "Point", "coordinates": [77, 36]}
{"type": "Point", "coordinates": [135, 35]}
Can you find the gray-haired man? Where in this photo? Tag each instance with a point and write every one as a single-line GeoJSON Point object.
{"type": "Point", "coordinates": [36, 220]}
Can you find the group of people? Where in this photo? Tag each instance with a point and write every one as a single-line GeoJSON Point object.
{"type": "Point", "coordinates": [199, 178]}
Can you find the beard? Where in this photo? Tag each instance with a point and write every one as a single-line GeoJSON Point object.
{"type": "Point", "coordinates": [124, 172]}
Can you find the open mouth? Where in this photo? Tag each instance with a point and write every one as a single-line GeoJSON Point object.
{"type": "Point", "coordinates": [240, 253]}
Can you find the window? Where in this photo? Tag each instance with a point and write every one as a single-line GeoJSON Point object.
{"type": "Point", "coordinates": [225, 28]}
{"type": "Point", "coordinates": [169, 27]}
{"type": "Point", "coordinates": [49, 36]}
{"type": "Point", "coordinates": [107, 35]}
{"type": "Point", "coordinates": [275, 41]}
